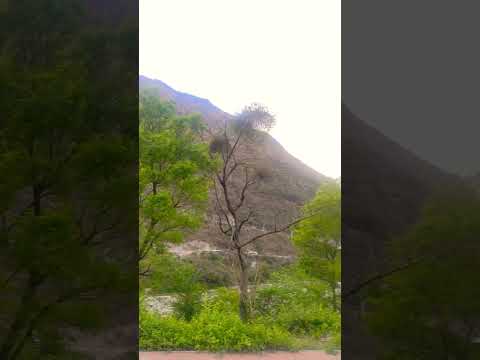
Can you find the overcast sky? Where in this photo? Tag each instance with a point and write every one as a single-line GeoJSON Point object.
{"type": "Point", "coordinates": [283, 54]}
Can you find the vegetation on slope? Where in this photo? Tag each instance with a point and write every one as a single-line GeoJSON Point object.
{"type": "Point", "coordinates": [429, 303]}
{"type": "Point", "coordinates": [294, 307]}
{"type": "Point", "coordinates": [65, 146]}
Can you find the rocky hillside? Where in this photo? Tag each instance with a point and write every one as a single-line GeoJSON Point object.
{"type": "Point", "coordinates": [384, 186]}
{"type": "Point", "coordinates": [289, 184]}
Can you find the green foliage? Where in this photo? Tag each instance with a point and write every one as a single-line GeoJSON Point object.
{"type": "Point", "coordinates": [154, 114]}
{"type": "Point", "coordinates": [315, 320]}
{"type": "Point", "coordinates": [431, 307]}
{"type": "Point", "coordinates": [64, 146]}
{"type": "Point", "coordinates": [224, 300]}
{"type": "Point", "coordinates": [183, 282]}
{"type": "Point", "coordinates": [174, 175]}
{"type": "Point", "coordinates": [287, 312]}
{"type": "Point", "coordinates": [297, 303]}
{"type": "Point", "coordinates": [289, 286]}
{"type": "Point", "coordinates": [213, 270]}
{"type": "Point", "coordinates": [172, 275]}
{"type": "Point", "coordinates": [318, 238]}
{"type": "Point", "coordinates": [334, 344]}
{"type": "Point", "coordinates": [217, 327]}
{"type": "Point", "coordinates": [213, 329]}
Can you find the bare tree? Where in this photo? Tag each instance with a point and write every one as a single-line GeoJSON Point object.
{"type": "Point", "coordinates": [233, 180]}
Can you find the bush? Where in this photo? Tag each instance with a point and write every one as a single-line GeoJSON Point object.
{"type": "Point", "coordinates": [285, 312]}
{"type": "Point", "coordinates": [211, 330]}
{"type": "Point", "coordinates": [183, 282]}
{"type": "Point", "coordinates": [298, 304]}
{"type": "Point", "coordinates": [162, 333]}
{"type": "Point", "coordinates": [212, 270]}
{"type": "Point", "coordinates": [216, 331]}
{"type": "Point", "coordinates": [290, 286]}
{"type": "Point", "coordinates": [316, 321]}
{"type": "Point", "coordinates": [188, 304]}
{"type": "Point", "coordinates": [335, 343]}
{"type": "Point", "coordinates": [223, 300]}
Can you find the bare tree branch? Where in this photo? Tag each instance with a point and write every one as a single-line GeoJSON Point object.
{"type": "Point", "coordinates": [145, 272]}
{"type": "Point", "coordinates": [246, 220]}
{"type": "Point", "coordinates": [246, 185]}
{"type": "Point", "coordinates": [226, 230]}
{"type": "Point", "coordinates": [277, 230]}
{"type": "Point", "coordinates": [383, 276]}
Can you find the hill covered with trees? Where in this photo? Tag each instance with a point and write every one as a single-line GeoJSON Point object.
{"type": "Point", "coordinates": [223, 204]}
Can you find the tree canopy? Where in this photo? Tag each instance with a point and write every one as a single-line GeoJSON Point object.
{"type": "Point", "coordinates": [68, 162]}
{"type": "Point", "coordinates": [175, 169]}
{"type": "Point", "coordinates": [430, 307]}
{"type": "Point", "coordinates": [318, 237]}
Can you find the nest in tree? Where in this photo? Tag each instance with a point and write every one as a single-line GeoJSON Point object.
{"type": "Point", "coordinates": [254, 117]}
{"type": "Point", "coordinates": [219, 145]}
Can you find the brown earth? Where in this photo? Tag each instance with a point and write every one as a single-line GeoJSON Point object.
{"type": "Point", "coordinates": [289, 184]}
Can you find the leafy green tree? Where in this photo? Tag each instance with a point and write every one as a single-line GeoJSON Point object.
{"type": "Point", "coordinates": [175, 168]}
{"type": "Point", "coordinates": [428, 308]}
{"type": "Point", "coordinates": [63, 156]}
{"type": "Point", "coordinates": [184, 283]}
{"type": "Point", "coordinates": [318, 238]}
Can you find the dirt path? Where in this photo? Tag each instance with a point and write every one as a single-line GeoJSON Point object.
{"type": "Point", "coordinates": [187, 355]}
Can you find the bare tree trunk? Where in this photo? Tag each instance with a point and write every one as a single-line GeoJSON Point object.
{"type": "Point", "coordinates": [244, 300]}
{"type": "Point", "coordinates": [232, 211]}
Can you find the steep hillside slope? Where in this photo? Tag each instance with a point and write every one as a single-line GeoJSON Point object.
{"type": "Point", "coordinates": [383, 189]}
{"type": "Point", "coordinates": [384, 186]}
{"type": "Point", "coordinates": [289, 185]}
{"type": "Point", "coordinates": [185, 103]}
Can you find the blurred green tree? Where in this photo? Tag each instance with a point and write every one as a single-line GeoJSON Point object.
{"type": "Point", "coordinates": [318, 238]}
{"type": "Point", "coordinates": [429, 308]}
{"type": "Point", "coordinates": [68, 163]}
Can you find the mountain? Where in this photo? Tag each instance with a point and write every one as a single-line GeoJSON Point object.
{"type": "Point", "coordinates": [290, 183]}
{"type": "Point", "coordinates": [384, 187]}
{"type": "Point", "coordinates": [185, 103]}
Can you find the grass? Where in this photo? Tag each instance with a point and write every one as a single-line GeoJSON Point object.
{"type": "Point", "coordinates": [217, 327]}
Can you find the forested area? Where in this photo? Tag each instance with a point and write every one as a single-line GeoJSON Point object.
{"type": "Point", "coordinates": [294, 306]}
{"type": "Point", "coordinates": [68, 159]}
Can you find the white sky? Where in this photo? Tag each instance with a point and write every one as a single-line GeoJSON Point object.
{"type": "Point", "coordinates": [284, 54]}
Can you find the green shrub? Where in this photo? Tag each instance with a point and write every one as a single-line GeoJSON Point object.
{"type": "Point", "coordinates": [164, 333]}
{"type": "Point", "coordinates": [213, 270]}
{"type": "Point", "coordinates": [188, 304]}
{"type": "Point", "coordinates": [223, 300]}
{"type": "Point", "coordinates": [210, 330]}
{"type": "Point", "coordinates": [290, 286]}
{"type": "Point", "coordinates": [216, 331]}
{"type": "Point", "coordinates": [285, 312]}
{"type": "Point", "coordinates": [334, 344]}
{"type": "Point", "coordinates": [174, 276]}
{"type": "Point", "coordinates": [298, 304]}
{"type": "Point", "coordinates": [315, 321]}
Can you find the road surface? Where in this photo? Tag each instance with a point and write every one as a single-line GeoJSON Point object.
{"type": "Point", "coordinates": [281, 355]}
